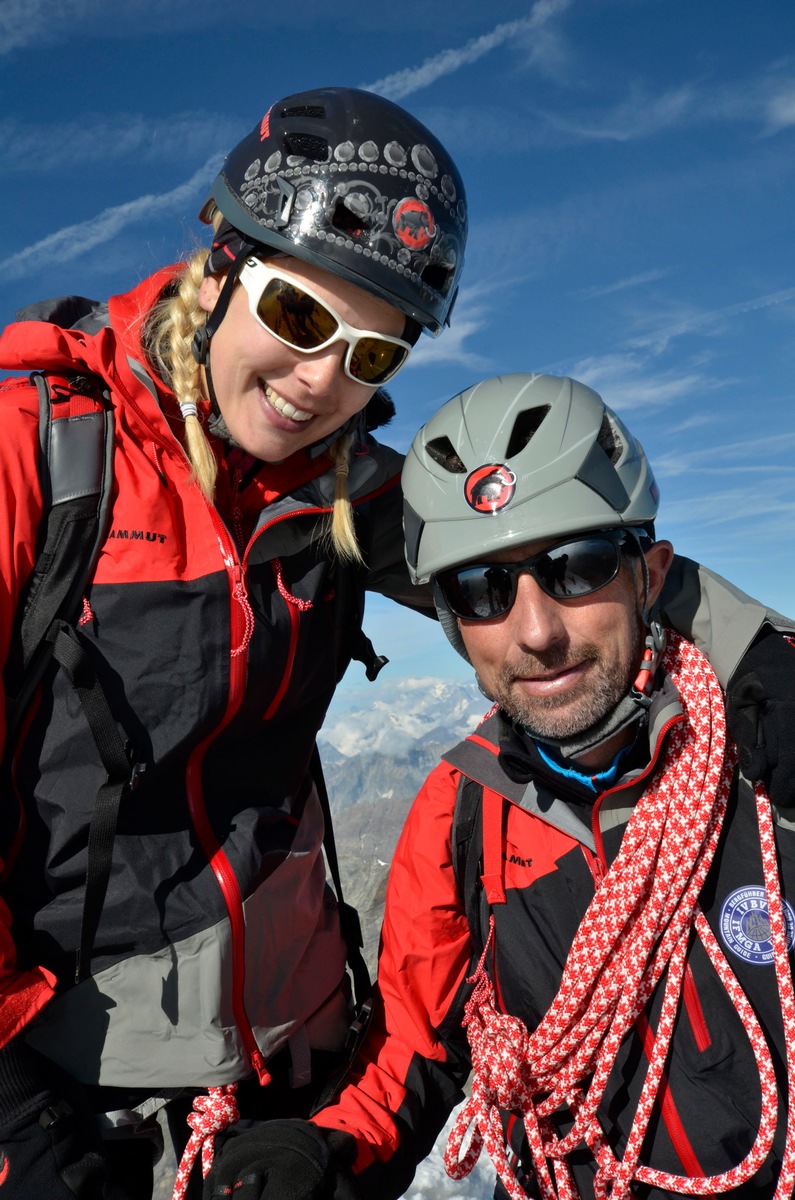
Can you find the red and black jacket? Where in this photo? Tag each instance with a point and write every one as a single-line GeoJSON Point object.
{"type": "Point", "coordinates": [218, 651]}
{"type": "Point", "coordinates": [557, 839]}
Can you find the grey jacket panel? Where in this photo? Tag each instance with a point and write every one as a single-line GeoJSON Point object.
{"type": "Point", "coordinates": [715, 615]}
{"type": "Point", "coordinates": [165, 1019]}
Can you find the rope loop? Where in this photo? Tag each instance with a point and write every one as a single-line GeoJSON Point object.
{"type": "Point", "coordinates": [212, 1113]}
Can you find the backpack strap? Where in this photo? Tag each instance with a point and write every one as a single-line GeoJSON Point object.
{"type": "Point", "coordinates": [76, 469]}
{"type": "Point", "coordinates": [478, 818]}
{"type": "Point", "coordinates": [350, 924]}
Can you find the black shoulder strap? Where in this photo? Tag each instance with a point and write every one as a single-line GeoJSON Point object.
{"type": "Point", "coordinates": [76, 473]}
{"type": "Point", "coordinates": [349, 917]}
{"type": "Point", "coordinates": [350, 640]}
{"type": "Point", "coordinates": [477, 760]}
{"type": "Point", "coordinates": [477, 757]}
{"type": "Point", "coordinates": [76, 470]}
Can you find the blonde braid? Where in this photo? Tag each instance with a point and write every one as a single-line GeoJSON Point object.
{"type": "Point", "coordinates": [342, 533]}
{"type": "Point", "coordinates": [168, 338]}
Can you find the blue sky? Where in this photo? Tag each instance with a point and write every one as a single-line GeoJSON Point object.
{"type": "Point", "coordinates": [630, 169]}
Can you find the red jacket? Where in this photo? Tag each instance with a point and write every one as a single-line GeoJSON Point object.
{"type": "Point", "coordinates": [219, 938]}
{"type": "Point", "coordinates": [558, 837]}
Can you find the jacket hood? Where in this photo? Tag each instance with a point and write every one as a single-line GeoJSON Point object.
{"type": "Point", "coordinates": [42, 344]}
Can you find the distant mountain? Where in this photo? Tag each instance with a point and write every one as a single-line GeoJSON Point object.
{"type": "Point", "coordinates": [418, 711]}
{"type": "Point", "coordinates": [375, 760]}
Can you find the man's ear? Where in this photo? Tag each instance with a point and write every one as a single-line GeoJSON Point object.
{"type": "Point", "coordinates": [659, 557]}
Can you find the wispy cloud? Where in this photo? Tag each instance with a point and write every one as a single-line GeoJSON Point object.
{"type": "Point", "coordinates": [99, 139]}
{"type": "Point", "coordinates": [412, 79]}
{"type": "Point", "coordinates": [770, 454]}
{"type": "Point", "coordinates": [22, 21]}
{"type": "Point", "coordinates": [621, 285]}
{"type": "Point", "coordinates": [779, 109]}
{"type": "Point", "coordinates": [472, 314]}
{"type": "Point", "coordinates": [631, 381]}
{"type": "Point", "coordinates": [638, 116]}
{"type": "Point", "coordinates": [75, 240]}
{"type": "Point", "coordinates": [665, 329]}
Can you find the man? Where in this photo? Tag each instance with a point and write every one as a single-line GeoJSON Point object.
{"type": "Point", "coordinates": [586, 908]}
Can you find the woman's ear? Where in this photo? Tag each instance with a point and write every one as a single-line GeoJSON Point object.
{"type": "Point", "coordinates": [209, 290]}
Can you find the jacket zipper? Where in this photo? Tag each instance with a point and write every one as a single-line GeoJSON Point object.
{"type": "Point", "coordinates": [292, 611]}
{"type": "Point", "coordinates": [221, 867]}
{"type": "Point", "coordinates": [631, 783]}
{"type": "Point", "coordinates": [695, 1012]}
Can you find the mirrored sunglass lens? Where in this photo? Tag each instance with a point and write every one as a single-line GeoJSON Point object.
{"type": "Point", "coordinates": [577, 568]}
{"type": "Point", "coordinates": [480, 593]}
{"type": "Point", "coordinates": [374, 360]}
{"type": "Point", "coordinates": [295, 317]}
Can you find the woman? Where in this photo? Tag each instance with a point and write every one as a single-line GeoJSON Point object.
{"type": "Point", "coordinates": [250, 508]}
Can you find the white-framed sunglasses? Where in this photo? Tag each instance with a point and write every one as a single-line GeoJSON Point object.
{"type": "Point", "coordinates": [298, 317]}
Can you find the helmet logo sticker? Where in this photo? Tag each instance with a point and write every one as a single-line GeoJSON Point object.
{"type": "Point", "coordinates": [265, 125]}
{"type": "Point", "coordinates": [413, 223]}
{"type": "Point", "coordinates": [745, 925]}
{"type": "Point", "coordinates": [490, 488]}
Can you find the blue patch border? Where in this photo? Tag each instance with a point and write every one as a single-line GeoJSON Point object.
{"type": "Point", "coordinates": [738, 909]}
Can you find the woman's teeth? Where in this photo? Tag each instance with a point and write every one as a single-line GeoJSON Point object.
{"type": "Point", "coordinates": [285, 407]}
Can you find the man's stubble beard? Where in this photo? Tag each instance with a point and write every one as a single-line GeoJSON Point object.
{"type": "Point", "coordinates": [560, 717]}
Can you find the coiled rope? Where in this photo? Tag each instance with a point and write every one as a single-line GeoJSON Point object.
{"type": "Point", "coordinates": [636, 928]}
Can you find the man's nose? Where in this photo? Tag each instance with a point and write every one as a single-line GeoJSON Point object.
{"type": "Point", "coordinates": [537, 619]}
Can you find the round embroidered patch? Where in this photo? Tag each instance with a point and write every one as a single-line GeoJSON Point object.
{"type": "Point", "coordinates": [745, 925]}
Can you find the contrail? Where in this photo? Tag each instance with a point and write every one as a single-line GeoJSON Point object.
{"type": "Point", "coordinates": [412, 79]}
{"type": "Point", "coordinates": [73, 240]}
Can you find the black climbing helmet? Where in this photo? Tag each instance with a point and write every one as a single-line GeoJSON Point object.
{"type": "Point", "coordinates": [351, 182]}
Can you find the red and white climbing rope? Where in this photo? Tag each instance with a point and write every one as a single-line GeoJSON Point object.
{"type": "Point", "coordinates": [212, 1113]}
{"type": "Point", "coordinates": [636, 929]}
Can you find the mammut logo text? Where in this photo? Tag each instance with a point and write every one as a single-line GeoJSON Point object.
{"type": "Point", "coordinates": [136, 535]}
{"type": "Point", "coordinates": [518, 860]}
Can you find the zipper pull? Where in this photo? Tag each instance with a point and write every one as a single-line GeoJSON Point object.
{"type": "Point", "coordinates": [258, 1063]}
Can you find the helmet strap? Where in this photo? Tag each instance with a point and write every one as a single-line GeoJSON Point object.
{"type": "Point", "coordinates": [204, 334]}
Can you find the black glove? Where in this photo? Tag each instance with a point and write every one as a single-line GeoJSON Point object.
{"type": "Point", "coordinates": [760, 708]}
{"type": "Point", "coordinates": [49, 1146]}
{"type": "Point", "coordinates": [283, 1160]}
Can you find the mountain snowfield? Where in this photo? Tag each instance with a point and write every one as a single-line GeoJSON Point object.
{"type": "Point", "coordinates": [417, 711]}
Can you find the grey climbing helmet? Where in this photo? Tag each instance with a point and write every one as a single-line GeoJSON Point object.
{"type": "Point", "coordinates": [351, 182]}
{"type": "Point", "coordinates": [517, 459]}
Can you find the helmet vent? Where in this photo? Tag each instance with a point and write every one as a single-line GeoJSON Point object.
{"type": "Point", "coordinates": [524, 427]}
{"type": "Point", "coordinates": [444, 453]}
{"type": "Point", "coordinates": [307, 145]}
{"type": "Point", "coordinates": [355, 225]}
{"type": "Point", "coordinates": [305, 110]}
{"type": "Point", "coordinates": [609, 440]}
{"type": "Point", "coordinates": [438, 276]}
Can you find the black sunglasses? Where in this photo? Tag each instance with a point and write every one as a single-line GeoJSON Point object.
{"type": "Point", "coordinates": [481, 591]}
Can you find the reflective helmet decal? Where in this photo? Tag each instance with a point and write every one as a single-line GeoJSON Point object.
{"type": "Point", "coordinates": [413, 223]}
{"type": "Point", "coordinates": [489, 489]}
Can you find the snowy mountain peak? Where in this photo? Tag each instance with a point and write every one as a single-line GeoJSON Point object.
{"type": "Point", "coordinates": [418, 711]}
